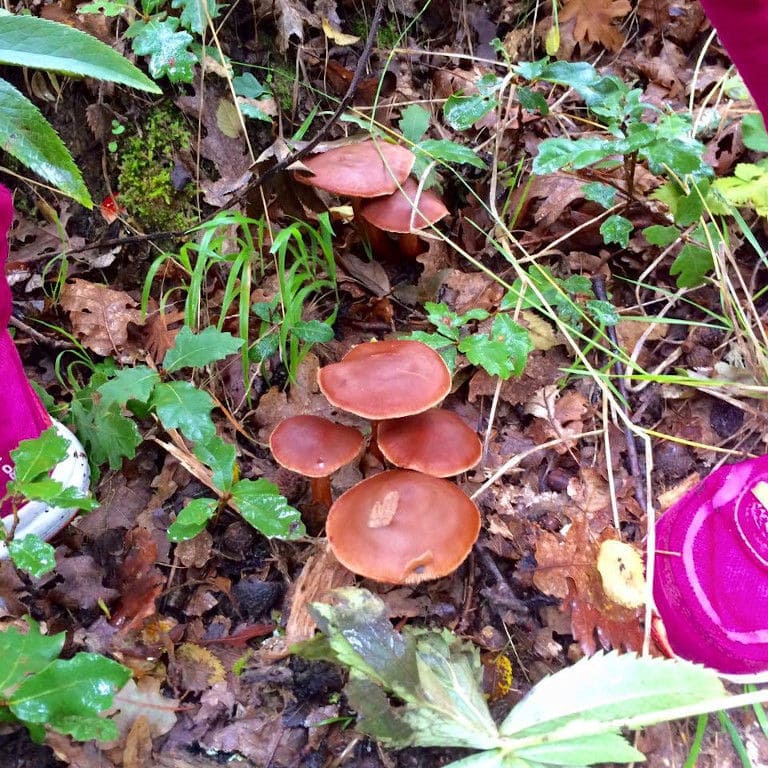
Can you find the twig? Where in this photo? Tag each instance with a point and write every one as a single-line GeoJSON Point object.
{"type": "Point", "coordinates": [634, 461]}
{"type": "Point", "coordinates": [39, 337]}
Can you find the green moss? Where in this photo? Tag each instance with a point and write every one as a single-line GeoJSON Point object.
{"type": "Point", "coordinates": [281, 80]}
{"type": "Point", "coordinates": [388, 36]}
{"type": "Point", "coordinates": [146, 163]}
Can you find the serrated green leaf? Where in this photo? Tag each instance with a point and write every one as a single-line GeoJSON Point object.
{"type": "Point", "coordinates": [196, 13]}
{"type": "Point", "coordinates": [603, 311]}
{"type": "Point", "coordinates": [414, 122]}
{"type": "Point", "coordinates": [27, 135]}
{"type": "Point", "coordinates": [25, 654]}
{"type": "Point", "coordinates": [167, 49]}
{"type": "Point", "coordinates": [53, 493]}
{"type": "Point", "coordinates": [555, 154]}
{"type": "Point", "coordinates": [195, 350]}
{"type": "Point", "coordinates": [629, 686]}
{"type": "Point", "coordinates": [107, 434]}
{"type": "Point", "coordinates": [180, 405]}
{"type": "Point", "coordinates": [748, 187]}
{"type": "Point", "coordinates": [450, 152]}
{"type": "Point", "coordinates": [691, 265]}
{"type": "Point", "coordinates": [753, 132]}
{"type": "Point", "coordinates": [33, 555]}
{"type": "Point", "coordinates": [599, 193]}
{"type": "Point", "coordinates": [504, 353]}
{"type": "Point", "coordinates": [661, 236]}
{"type": "Point", "coordinates": [192, 519]}
{"type": "Point", "coordinates": [616, 229]}
{"type": "Point", "coordinates": [129, 384]}
{"type": "Point", "coordinates": [220, 457]}
{"type": "Point", "coordinates": [462, 112]}
{"type": "Point", "coordinates": [263, 507]}
{"type": "Point", "coordinates": [38, 456]}
{"type": "Point", "coordinates": [82, 686]}
{"type": "Point", "coordinates": [30, 41]}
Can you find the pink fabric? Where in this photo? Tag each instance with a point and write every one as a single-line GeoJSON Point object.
{"type": "Point", "coordinates": [22, 415]}
{"type": "Point", "coordinates": [711, 571]}
{"type": "Point", "coordinates": [742, 26]}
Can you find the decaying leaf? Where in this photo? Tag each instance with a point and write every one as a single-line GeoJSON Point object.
{"type": "Point", "coordinates": [622, 573]}
{"type": "Point", "coordinates": [143, 698]}
{"type": "Point", "coordinates": [594, 20]}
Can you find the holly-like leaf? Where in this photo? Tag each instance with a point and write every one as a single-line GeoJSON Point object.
{"type": "Point", "coordinates": [263, 507]}
{"type": "Point", "coordinates": [196, 13]}
{"type": "Point", "coordinates": [504, 353]}
{"type": "Point", "coordinates": [180, 405]}
{"type": "Point", "coordinates": [616, 229]}
{"type": "Point", "coordinates": [167, 49]}
{"type": "Point", "coordinates": [38, 456]}
{"type": "Point", "coordinates": [192, 519]}
{"type": "Point", "coordinates": [195, 350]}
{"type": "Point", "coordinates": [129, 384]}
{"type": "Point", "coordinates": [555, 154]}
{"type": "Point", "coordinates": [108, 435]}
{"type": "Point", "coordinates": [32, 554]}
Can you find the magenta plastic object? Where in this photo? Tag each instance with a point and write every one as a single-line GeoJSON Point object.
{"type": "Point", "coordinates": [742, 26]}
{"type": "Point", "coordinates": [711, 571]}
{"type": "Point", "coordinates": [22, 415]}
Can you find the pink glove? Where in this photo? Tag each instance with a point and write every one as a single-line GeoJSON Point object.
{"type": "Point", "coordinates": [742, 26]}
{"type": "Point", "coordinates": [22, 415]}
{"type": "Point", "coordinates": [711, 570]}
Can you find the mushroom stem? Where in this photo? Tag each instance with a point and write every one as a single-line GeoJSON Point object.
{"type": "Point", "coordinates": [410, 245]}
{"type": "Point", "coordinates": [320, 488]}
{"type": "Point", "coordinates": [373, 445]}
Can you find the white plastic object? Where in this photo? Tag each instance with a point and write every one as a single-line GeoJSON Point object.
{"type": "Point", "coordinates": [36, 516]}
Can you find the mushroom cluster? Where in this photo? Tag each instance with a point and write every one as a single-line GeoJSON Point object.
{"type": "Point", "coordinates": [375, 175]}
{"type": "Point", "coordinates": [403, 525]}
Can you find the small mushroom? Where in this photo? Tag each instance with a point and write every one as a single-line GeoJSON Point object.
{"type": "Point", "coordinates": [386, 380]}
{"type": "Point", "coordinates": [403, 527]}
{"type": "Point", "coordinates": [405, 212]}
{"type": "Point", "coordinates": [315, 447]}
{"type": "Point", "coordinates": [436, 442]}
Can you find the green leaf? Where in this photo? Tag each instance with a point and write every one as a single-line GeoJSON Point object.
{"type": "Point", "coordinates": [180, 405]}
{"type": "Point", "coordinates": [313, 331]}
{"type": "Point", "coordinates": [32, 554]}
{"type": "Point", "coordinates": [30, 41]}
{"type": "Point", "coordinates": [691, 266]}
{"type": "Point", "coordinates": [85, 728]}
{"type": "Point", "coordinates": [599, 193]}
{"type": "Point", "coordinates": [192, 519]}
{"type": "Point", "coordinates": [616, 229]}
{"type": "Point", "coordinates": [106, 7]}
{"type": "Point", "coordinates": [629, 686]}
{"type": "Point", "coordinates": [167, 49]}
{"type": "Point", "coordinates": [249, 87]}
{"type": "Point", "coordinates": [54, 494]}
{"type": "Point", "coordinates": [39, 455]}
{"type": "Point", "coordinates": [108, 435]}
{"type": "Point", "coordinates": [27, 135]}
{"type": "Point", "coordinates": [504, 353]}
{"type": "Point", "coordinates": [192, 350]}
{"type": "Point", "coordinates": [414, 122]}
{"type": "Point", "coordinates": [555, 154]}
{"type": "Point", "coordinates": [661, 236]}
{"type": "Point", "coordinates": [263, 507]}
{"type": "Point", "coordinates": [82, 686]}
{"type": "Point", "coordinates": [253, 111]}
{"type": "Point", "coordinates": [462, 112]}
{"type": "Point", "coordinates": [129, 384]}
{"type": "Point", "coordinates": [26, 654]}
{"type": "Point", "coordinates": [532, 101]}
{"type": "Point", "coordinates": [449, 152]}
{"type": "Point", "coordinates": [195, 13]}
{"type": "Point", "coordinates": [603, 311]}
{"type": "Point", "coordinates": [220, 457]}
{"type": "Point", "coordinates": [584, 750]}
{"type": "Point", "coordinates": [753, 132]}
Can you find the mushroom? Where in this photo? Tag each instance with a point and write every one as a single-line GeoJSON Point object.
{"type": "Point", "coordinates": [403, 527]}
{"type": "Point", "coordinates": [315, 447]}
{"type": "Point", "coordinates": [405, 212]}
{"type": "Point", "coordinates": [436, 442]}
{"type": "Point", "coordinates": [386, 380]}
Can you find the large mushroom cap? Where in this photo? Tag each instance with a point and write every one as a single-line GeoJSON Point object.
{"type": "Point", "coordinates": [395, 213]}
{"type": "Point", "coordinates": [386, 379]}
{"type": "Point", "coordinates": [367, 169]}
{"type": "Point", "coordinates": [436, 442]}
{"type": "Point", "coordinates": [314, 446]}
{"type": "Point", "coordinates": [402, 527]}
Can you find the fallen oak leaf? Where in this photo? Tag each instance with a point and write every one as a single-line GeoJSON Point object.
{"type": "Point", "coordinates": [593, 20]}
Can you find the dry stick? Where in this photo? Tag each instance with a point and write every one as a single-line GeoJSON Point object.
{"type": "Point", "coordinates": [634, 462]}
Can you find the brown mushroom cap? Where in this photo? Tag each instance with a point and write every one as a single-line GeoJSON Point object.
{"type": "Point", "coordinates": [403, 527]}
{"type": "Point", "coordinates": [386, 379]}
{"type": "Point", "coordinates": [366, 169]}
{"type": "Point", "coordinates": [314, 446]}
{"type": "Point", "coordinates": [436, 442]}
{"type": "Point", "coordinates": [395, 213]}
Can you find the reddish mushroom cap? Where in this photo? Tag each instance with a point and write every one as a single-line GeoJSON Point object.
{"type": "Point", "coordinates": [366, 169]}
{"type": "Point", "coordinates": [403, 527]}
{"type": "Point", "coordinates": [386, 379]}
{"type": "Point", "coordinates": [314, 446]}
{"type": "Point", "coordinates": [395, 213]}
{"type": "Point", "coordinates": [436, 442]}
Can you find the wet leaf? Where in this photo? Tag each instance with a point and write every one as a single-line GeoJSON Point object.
{"type": "Point", "coordinates": [195, 350]}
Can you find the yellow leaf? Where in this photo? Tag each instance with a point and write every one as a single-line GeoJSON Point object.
{"type": "Point", "coordinates": [227, 119]}
{"type": "Point", "coordinates": [338, 37]}
{"type": "Point", "coordinates": [621, 570]}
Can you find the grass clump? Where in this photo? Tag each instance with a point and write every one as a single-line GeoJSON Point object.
{"type": "Point", "coordinates": [146, 163]}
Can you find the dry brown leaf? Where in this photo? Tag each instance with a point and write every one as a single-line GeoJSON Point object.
{"type": "Point", "coordinates": [593, 20]}
{"type": "Point", "coordinates": [100, 315]}
{"type": "Point", "coordinates": [137, 752]}
{"type": "Point", "coordinates": [196, 668]}
{"type": "Point", "coordinates": [143, 699]}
